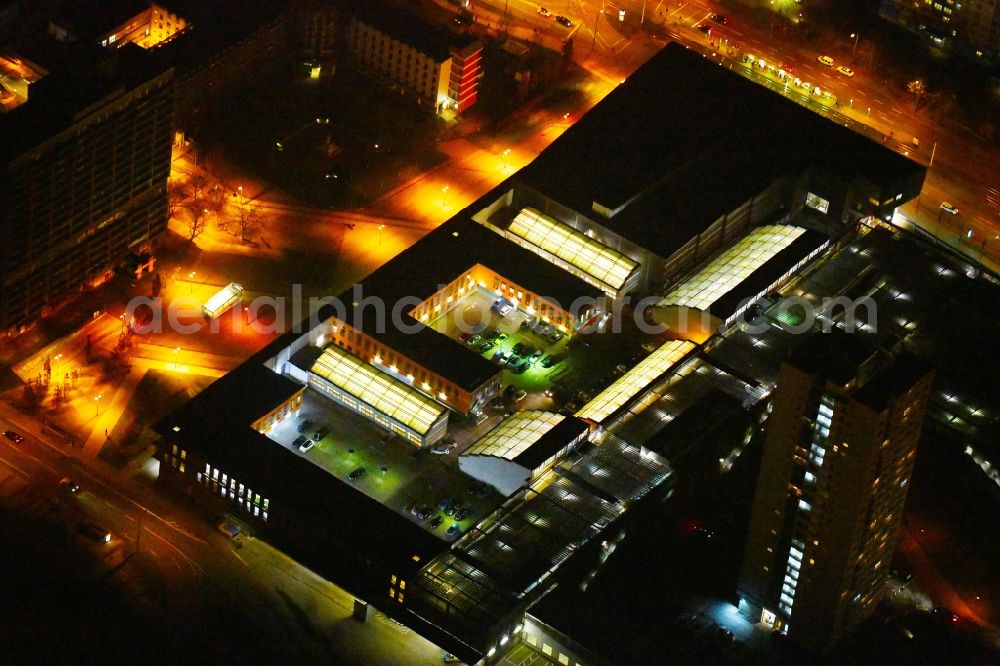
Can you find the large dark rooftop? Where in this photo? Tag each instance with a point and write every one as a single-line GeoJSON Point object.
{"type": "Point", "coordinates": [217, 421]}
{"type": "Point", "coordinates": [683, 141]}
{"type": "Point", "coordinates": [899, 376]}
{"type": "Point", "coordinates": [88, 76]}
{"type": "Point", "coordinates": [408, 28]}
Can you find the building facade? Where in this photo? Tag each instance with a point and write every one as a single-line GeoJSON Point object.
{"type": "Point", "coordinates": [840, 445]}
{"type": "Point", "coordinates": [971, 27]}
{"type": "Point", "coordinates": [441, 69]}
{"type": "Point", "coordinates": [86, 191]}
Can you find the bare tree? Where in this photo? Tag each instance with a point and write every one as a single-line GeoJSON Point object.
{"type": "Point", "coordinates": [919, 91]}
{"type": "Point", "coordinates": [196, 222]}
{"type": "Point", "coordinates": [248, 218]}
{"type": "Point", "coordinates": [215, 202]}
{"type": "Point", "coordinates": [175, 197]}
{"type": "Point", "coordinates": [197, 205]}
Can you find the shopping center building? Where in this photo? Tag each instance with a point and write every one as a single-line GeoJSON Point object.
{"type": "Point", "coordinates": [690, 209]}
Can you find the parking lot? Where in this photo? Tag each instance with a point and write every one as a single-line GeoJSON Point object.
{"type": "Point", "coordinates": [556, 371]}
{"type": "Point", "coordinates": [531, 354]}
{"type": "Point", "coordinates": [396, 473]}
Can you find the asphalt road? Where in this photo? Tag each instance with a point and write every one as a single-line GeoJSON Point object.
{"type": "Point", "coordinates": [161, 551]}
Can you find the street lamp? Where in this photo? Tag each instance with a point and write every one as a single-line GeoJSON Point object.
{"type": "Point", "coordinates": [191, 282]}
{"type": "Point", "coordinates": [176, 351]}
{"type": "Point", "coordinates": [380, 228]}
{"type": "Point", "coordinates": [97, 405]}
{"type": "Point", "coordinates": [855, 36]}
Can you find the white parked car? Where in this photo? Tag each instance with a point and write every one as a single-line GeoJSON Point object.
{"type": "Point", "coordinates": [948, 208]}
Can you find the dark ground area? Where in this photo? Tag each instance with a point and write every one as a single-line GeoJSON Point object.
{"type": "Point", "coordinates": [345, 140]}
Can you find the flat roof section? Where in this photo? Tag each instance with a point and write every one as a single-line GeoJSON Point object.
{"type": "Point", "coordinates": [515, 434]}
{"type": "Point", "coordinates": [780, 265]}
{"type": "Point", "coordinates": [629, 385]}
{"type": "Point", "coordinates": [435, 260]}
{"type": "Point", "coordinates": [570, 429]}
{"type": "Point", "coordinates": [684, 141]}
{"type": "Point", "coordinates": [408, 28]}
{"type": "Point", "coordinates": [610, 268]}
{"type": "Point", "coordinates": [387, 394]}
{"type": "Point", "coordinates": [733, 266]}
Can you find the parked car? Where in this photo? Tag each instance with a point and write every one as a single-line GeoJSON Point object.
{"type": "Point", "coordinates": [502, 307]}
{"type": "Point", "coordinates": [485, 347]}
{"type": "Point", "coordinates": [95, 532]}
{"type": "Point", "coordinates": [308, 444]}
{"type": "Point", "coordinates": [535, 355]}
{"type": "Point", "coordinates": [544, 12]}
{"type": "Point", "coordinates": [70, 485]}
{"type": "Point", "coordinates": [462, 513]}
{"type": "Point", "coordinates": [423, 512]}
{"type": "Point", "coordinates": [474, 341]}
{"type": "Point", "coordinates": [453, 530]}
{"type": "Point", "coordinates": [563, 21]}
{"type": "Point", "coordinates": [357, 474]}
{"type": "Point", "coordinates": [501, 338]}
{"type": "Point", "coordinates": [556, 336]}
{"type": "Point", "coordinates": [445, 503]}
{"type": "Point", "coordinates": [300, 442]}
{"type": "Point", "coordinates": [436, 521]}
{"type": "Point", "coordinates": [304, 425]}
{"type": "Point", "coordinates": [552, 360]}
{"type": "Point", "coordinates": [520, 368]}
{"type": "Point", "coordinates": [945, 206]}
{"type": "Point", "coordinates": [15, 437]}
{"type": "Point", "coordinates": [320, 433]}
{"type": "Point", "coordinates": [442, 448]}
{"type": "Point", "coordinates": [493, 335]}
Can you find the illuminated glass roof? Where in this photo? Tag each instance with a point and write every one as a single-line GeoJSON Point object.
{"type": "Point", "coordinates": [733, 266]}
{"type": "Point", "coordinates": [513, 437]}
{"type": "Point", "coordinates": [608, 267]}
{"type": "Point", "coordinates": [383, 392]}
{"type": "Point", "coordinates": [635, 380]}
